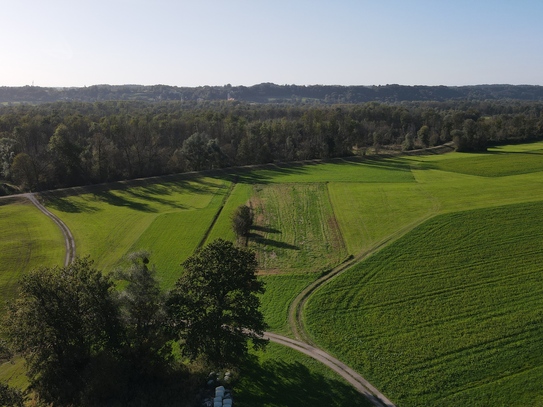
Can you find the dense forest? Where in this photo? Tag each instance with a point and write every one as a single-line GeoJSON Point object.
{"type": "Point", "coordinates": [272, 93]}
{"type": "Point", "coordinates": [52, 145]}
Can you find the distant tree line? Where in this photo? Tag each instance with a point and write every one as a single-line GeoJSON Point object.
{"type": "Point", "coordinates": [70, 143]}
{"type": "Point", "coordinates": [272, 93]}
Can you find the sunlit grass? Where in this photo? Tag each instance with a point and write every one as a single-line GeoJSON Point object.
{"type": "Point", "coordinates": [108, 223]}
{"type": "Point", "coordinates": [240, 195]}
{"type": "Point", "coordinates": [337, 170]}
{"type": "Point", "coordinates": [295, 228]}
{"type": "Point", "coordinates": [281, 289]}
{"type": "Point", "coordinates": [29, 240]}
{"type": "Point", "coordinates": [448, 315]}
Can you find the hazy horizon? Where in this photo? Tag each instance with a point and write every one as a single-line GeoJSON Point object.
{"type": "Point", "coordinates": [243, 43]}
{"type": "Point", "coordinates": [279, 84]}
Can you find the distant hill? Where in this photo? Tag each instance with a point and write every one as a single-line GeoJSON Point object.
{"type": "Point", "coordinates": [272, 93]}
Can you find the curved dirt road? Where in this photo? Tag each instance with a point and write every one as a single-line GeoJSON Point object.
{"type": "Point", "coordinates": [68, 237]}
{"type": "Point", "coordinates": [357, 381]}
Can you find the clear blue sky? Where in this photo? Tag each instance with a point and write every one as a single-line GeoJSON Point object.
{"type": "Point", "coordinates": [245, 42]}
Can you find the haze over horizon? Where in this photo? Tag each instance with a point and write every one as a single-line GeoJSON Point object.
{"type": "Point", "coordinates": [242, 42]}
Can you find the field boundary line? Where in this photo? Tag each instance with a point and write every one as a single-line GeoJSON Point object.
{"type": "Point", "coordinates": [298, 304]}
{"type": "Point", "coordinates": [217, 214]}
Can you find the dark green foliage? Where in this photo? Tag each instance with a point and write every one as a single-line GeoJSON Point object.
{"type": "Point", "coordinates": [472, 137]}
{"type": "Point", "coordinates": [214, 305]}
{"type": "Point", "coordinates": [65, 144]}
{"type": "Point", "coordinates": [242, 220]}
{"type": "Point", "coordinates": [62, 320]}
{"type": "Point", "coordinates": [87, 344]}
{"type": "Point", "coordinates": [141, 303]}
{"type": "Point", "coordinates": [10, 397]}
{"type": "Point", "coordinates": [201, 152]}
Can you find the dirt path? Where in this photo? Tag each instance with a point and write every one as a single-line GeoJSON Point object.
{"type": "Point", "coordinates": [357, 381]}
{"type": "Point", "coordinates": [69, 241]}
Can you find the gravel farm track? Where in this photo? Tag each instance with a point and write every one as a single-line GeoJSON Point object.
{"type": "Point", "coordinates": [352, 377]}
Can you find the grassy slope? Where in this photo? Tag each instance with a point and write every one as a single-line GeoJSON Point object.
{"type": "Point", "coordinates": [109, 223]}
{"type": "Point", "coordinates": [281, 289]}
{"type": "Point", "coordinates": [29, 239]}
{"type": "Point", "coordinates": [450, 314]}
{"type": "Point", "coordinates": [173, 237]}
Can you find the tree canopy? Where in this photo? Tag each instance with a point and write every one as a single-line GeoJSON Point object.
{"type": "Point", "coordinates": [242, 220]}
{"type": "Point", "coordinates": [88, 341]}
{"type": "Point", "coordinates": [215, 304]}
{"type": "Point", "coordinates": [62, 320]}
{"type": "Point", "coordinates": [64, 144]}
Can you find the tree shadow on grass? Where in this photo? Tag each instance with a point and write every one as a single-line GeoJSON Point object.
{"type": "Point", "coordinates": [116, 200]}
{"type": "Point", "coordinates": [292, 384]}
{"type": "Point", "coordinates": [265, 229]}
{"type": "Point", "coordinates": [270, 242]}
{"type": "Point", "coordinates": [69, 206]}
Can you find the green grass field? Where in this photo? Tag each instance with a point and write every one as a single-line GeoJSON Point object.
{"type": "Point", "coordinates": [295, 228]}
{"type": "Point", "coordinates": [450, 314]}
{"type": "Point", "coordinates": [281, 289]}
{"type": "Point", "coordinates": [497, 162]}
{"type": "Point", "coordinates": [434, 318]}
{"type": "Point", "coordinates": [338, 170]}
{"type": "Point", "coordinates": [29, 239]}
{"type": "Point", "coordinates": [169, 219]}
{"type": "Point", "coordinates": [240, 195]}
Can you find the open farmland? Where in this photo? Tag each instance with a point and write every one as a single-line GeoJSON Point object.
{"type": "Point", "coordinates": [498, 161]}
{"type": "Point", "coordinates": [450, 314]}
{"type": "Point", "coordinates": [281, 289]}
{"type": "Point", "coordinates": [295, 228]}
{"type": "Point", "coordinates": [311, 217]}
{"type": "Point", "coordinates": [169, 219]}
{"type": "Point", "coordinates": [240, 195]}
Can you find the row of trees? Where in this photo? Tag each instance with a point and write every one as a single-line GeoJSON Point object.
{"type": "Point", "coordinates": [66, 144]}
{"type": "Point", "coordinates": [88, 343]}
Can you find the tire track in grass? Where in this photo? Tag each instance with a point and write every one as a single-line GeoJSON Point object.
{"type": "Point", "coordinates": [69, 240]}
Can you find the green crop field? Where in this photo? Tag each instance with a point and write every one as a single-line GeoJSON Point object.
{"type": "Point", "coordinates": [340, 170]}
{"type": "Point", "coordinates": [281, 289]}
{"type": "Point", "coordinates": [29, 239]}
{"type": "Point", "coordinates": [295, 228]}
{"type": "Point", "coordinates": [450, 314]}
{"type": "Point", "coordinates": [368, 213]}
{"type": "Point", "coordinates": [173, 237]}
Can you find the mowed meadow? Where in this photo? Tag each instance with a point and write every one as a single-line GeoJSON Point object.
{"type": "Point", "coordinates": [442, 307]}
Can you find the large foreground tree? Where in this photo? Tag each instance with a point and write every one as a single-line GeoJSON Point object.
{"type": "Point", "coordinates": [62, 320]}
{"type": "Point", "coordinates": [215, 304]}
